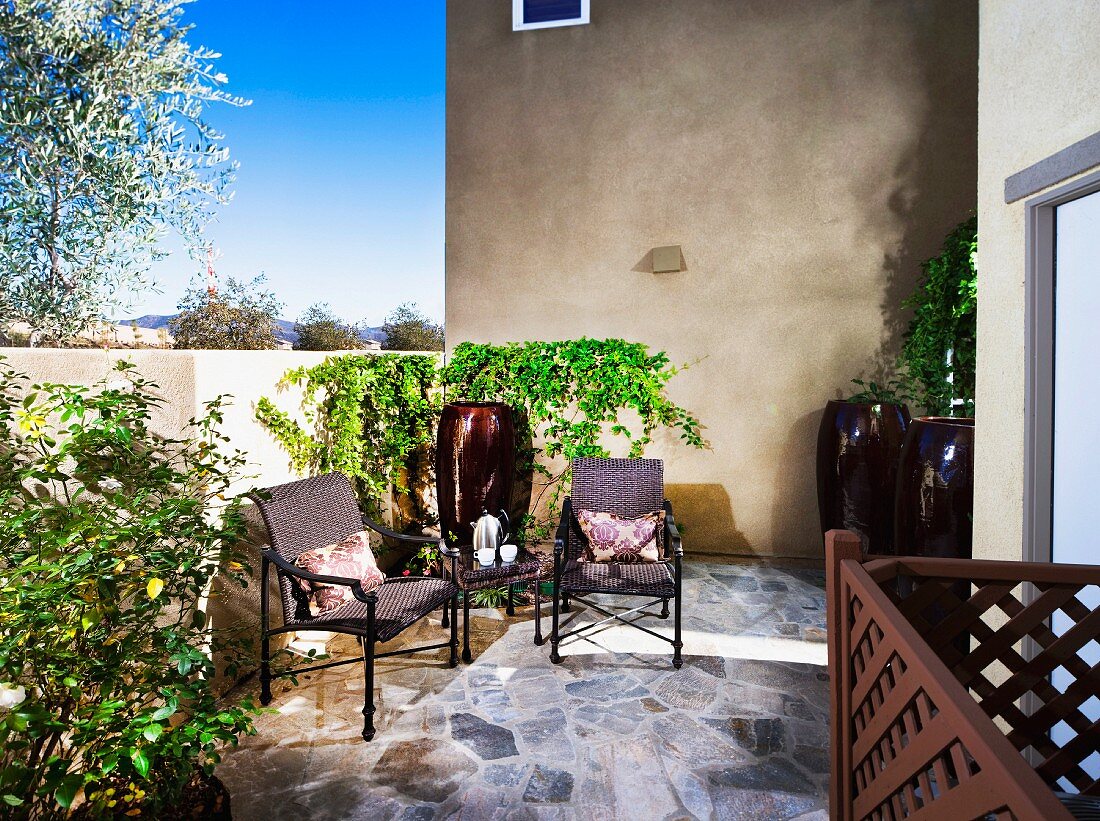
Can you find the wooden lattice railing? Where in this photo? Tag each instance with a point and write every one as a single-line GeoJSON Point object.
{"type": "Point", "coordinates": [941, 691]}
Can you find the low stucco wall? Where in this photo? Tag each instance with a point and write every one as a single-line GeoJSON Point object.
{"type": "Point", "coordinates": [1039, 72]}
{"type": "Point", "coordinates": [806, 155]}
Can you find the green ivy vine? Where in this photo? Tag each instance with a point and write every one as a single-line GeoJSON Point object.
{"type": "Point", "coordinates": [370, 417]}
{"type": "Point", "coordinates": [568, 399]}
{"type": "Point", "coordinates": [373, 417]}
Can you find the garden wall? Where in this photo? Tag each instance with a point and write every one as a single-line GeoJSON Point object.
{"type": "Point", "coordinates": [806, 155]}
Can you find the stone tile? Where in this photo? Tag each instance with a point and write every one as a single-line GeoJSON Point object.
{"type": "Point", "coordinates": [487, 741]}
{"type": "Point", "coordinates": [688, 689]}
{"type": "Point", "coordinates": [612, 791]}
{"type": "Point", "coordinates": [548, 785]}
{"type": "Point", "coordinates": [607, 687]}
{"type": "Point", "coordinates": [426, 770]}
{"type": "Point", "coordinates": [682, 737]}
{"type": "Point", "coordinates": [547, 735]}
{"type": "Point", "coordinates": [760, 736]}
{"type": "Point", "coordinates": [504, 775]}
{"type": "Point", "coordinates": [771, 789]}
{"type": "Point", "coordinates": [622, 718]}
{"type": "Point", "coordinates": [708, 664]}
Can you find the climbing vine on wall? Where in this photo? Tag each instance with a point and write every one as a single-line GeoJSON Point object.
{"type": "Point", "coordinates": [374, 417]}
{"type": "Point", "coordinates": [370, 417]}
{"type": "Point", "coordinates": [569, 400]}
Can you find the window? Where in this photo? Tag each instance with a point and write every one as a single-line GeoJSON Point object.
{"type": "Point", "coordinates": [541, 14]}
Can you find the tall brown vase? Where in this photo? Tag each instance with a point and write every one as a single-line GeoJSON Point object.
{"type": "Point", "coordinates": [475, 465]}
{"type": "Point", "coordinates": [858, 445]}
{"type": "Point", "coordinates": [934, 503]}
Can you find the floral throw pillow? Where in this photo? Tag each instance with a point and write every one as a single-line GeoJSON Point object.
{"type": "Point", "coordinates": [613, 538]}
{"type": "Point", "coordinates": [352, 558]}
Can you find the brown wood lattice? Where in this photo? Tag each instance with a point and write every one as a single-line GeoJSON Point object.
{"type": "Point", "coordinates": [921, 725]}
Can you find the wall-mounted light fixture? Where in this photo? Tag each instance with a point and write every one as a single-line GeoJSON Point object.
{"type": "Point", "coordinates": [544, 14]}
{"type": "Point", "coordinates": [667, 259]}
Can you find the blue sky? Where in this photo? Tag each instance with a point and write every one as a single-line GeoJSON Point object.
{"type": "Point", "coordinates": [339, 197]}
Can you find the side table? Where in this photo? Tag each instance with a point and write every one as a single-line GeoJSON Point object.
{"type": "Point", "coordinates": [472, 576]}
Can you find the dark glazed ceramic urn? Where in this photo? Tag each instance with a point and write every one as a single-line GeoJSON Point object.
{"type": "Point", "coordinates": [858, 445]}
{"type": "Point", "coordinates": [475, 465]}
{"type": "Point", "coordinates": [934, 504]}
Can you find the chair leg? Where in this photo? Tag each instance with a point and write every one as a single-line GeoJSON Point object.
{"type": "Point", "coordinates": [452, 608]}
{"type": "Point", "coordinates": [677, 643]}
{"type": "Point", "coordinates": [265, 670]}
{"type": "Point", "coordinates": [554, 657]}
{"type": "Point", "coordinates": [664, 609]}
{"type": "Point", "coordinates": [511, 599]}
{"type": "Point", "coordinates": [368, 675]}
{"type": "Point", "coordinates": [538, 613]}
{"type": "Point", "coordinates": [445, 622]}
{"type": "Point", "coordinates": [467, 656]}
{"type": "Point", "coordinates": [564, 603]}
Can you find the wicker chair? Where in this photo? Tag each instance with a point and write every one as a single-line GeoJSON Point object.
{"type": "Point", "coordinates": [631, 488]}
{"type": "Point", "coordinates": [322, 510]}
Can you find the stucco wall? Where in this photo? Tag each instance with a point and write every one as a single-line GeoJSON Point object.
{"type": "Point", "coordinates": [806, 155]}
{"type": "Point", "coordinates": [1039, 74]}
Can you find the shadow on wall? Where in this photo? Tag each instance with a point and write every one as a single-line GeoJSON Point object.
{"type": "Point", "coordinates": [705, 514]}
{"type": "Point", "coordinates": [794, 503]}
{"type": "Point", "coordinates": [945, 42]}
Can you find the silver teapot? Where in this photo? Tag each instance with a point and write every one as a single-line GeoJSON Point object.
{"type": "Point", "coordinates": [490, 531]}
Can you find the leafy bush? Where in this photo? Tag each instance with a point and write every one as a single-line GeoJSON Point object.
{"type": "Point", "coordinates": [109, 539]}
{"type": "Point", "coordinates": [940, 351]}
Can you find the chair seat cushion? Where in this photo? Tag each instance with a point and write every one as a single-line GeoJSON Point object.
{"type": "Point", "coordinates": [614, 538]}
{"type": "Point", "coordinates": [645, 578]}
{"type": "Point", "coordinates": [401, 603]}
{"type": "Point", "coordinates": [351, 558]}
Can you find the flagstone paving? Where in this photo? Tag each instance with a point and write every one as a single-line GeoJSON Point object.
{"type": "Point", "coordinates": [613, 732]}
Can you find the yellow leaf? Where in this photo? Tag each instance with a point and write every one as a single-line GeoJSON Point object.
{"type": "Point", "coordinates": [154, 587]}
{"type": "Point", "coordinates": [120, 567]}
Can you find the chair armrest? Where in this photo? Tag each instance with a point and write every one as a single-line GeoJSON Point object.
{"type": "Point", "coordinates": [293, 570]}
{"type": "Point", "coordinates": [672, 535]}
{"type": "Point", "coordinates": [561, 538]}
{"type": "Point", "coordinates": [393, 534]}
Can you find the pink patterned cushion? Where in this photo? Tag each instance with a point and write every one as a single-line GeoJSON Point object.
{"type": "Point", "coordinates": [612, 538]}
{"type": "Point", "coordinates": [352, 558]}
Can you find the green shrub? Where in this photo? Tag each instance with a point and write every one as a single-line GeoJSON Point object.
{"type": "Point", "coordinates": [109, 539]}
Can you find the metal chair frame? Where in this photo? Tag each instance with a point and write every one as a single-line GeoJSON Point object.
{"type": "Point", "coordinates": [366, 633]}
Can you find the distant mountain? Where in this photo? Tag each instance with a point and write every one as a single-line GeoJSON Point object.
{"type": "Point", "coordinates": [284, 328]}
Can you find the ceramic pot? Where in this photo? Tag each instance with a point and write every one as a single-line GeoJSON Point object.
{"type": "Point", "coordinates": [934, 502]}
{"type": "Point", "coordinates": [475, 465]}
{"type": "Point", "coordinates": [858, 446]}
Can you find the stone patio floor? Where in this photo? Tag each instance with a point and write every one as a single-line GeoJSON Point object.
{"type": "Point", "coordinates": [613, 732]}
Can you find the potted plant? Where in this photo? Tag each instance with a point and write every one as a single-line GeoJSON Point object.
{"type": "Point", "coordinates": [109, 540]}
{"type": "Point", "coordinates": [934, 499]}
{"type": "Point", "coordinates": [858, 445]}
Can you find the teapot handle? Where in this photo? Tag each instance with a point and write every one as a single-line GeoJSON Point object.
{"type": "Point", "coordinates": [507, 526]}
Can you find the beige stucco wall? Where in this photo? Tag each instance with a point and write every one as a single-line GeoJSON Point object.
{"type": "Point", "coordinates": [806, 155]}
{"type": "Point", "coordinates": [1039, 73]}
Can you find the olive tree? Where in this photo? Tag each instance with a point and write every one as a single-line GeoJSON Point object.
{"type": "Point", "coordinates": [319, 329]}
{"type": "Point", "coordinates": [239, 317]}
{"type": "Point", "coordinates": [407, 329]}
{"type": "Point", "coordinates": [103, 150]}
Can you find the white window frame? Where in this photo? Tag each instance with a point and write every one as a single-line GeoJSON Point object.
{"type": "Point", "coordinates": [519, 25]}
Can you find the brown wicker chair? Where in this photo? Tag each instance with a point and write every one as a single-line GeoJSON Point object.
{"type": "Point", "coordinates": [322, 510]}
{"type": "Point", "coordinates": [628, 487]}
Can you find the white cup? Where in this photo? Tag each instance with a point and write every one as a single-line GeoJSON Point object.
{"type": "Point", "coordinates": [508, 552]}
{"type": "Point", "coordinates": [486, 556]}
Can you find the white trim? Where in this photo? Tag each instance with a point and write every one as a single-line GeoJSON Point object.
{"type": "Point", "coordinates": [519, 25]}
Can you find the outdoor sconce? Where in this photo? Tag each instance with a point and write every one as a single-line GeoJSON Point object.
{"type": "Point", "coordinates": [666, 259]}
